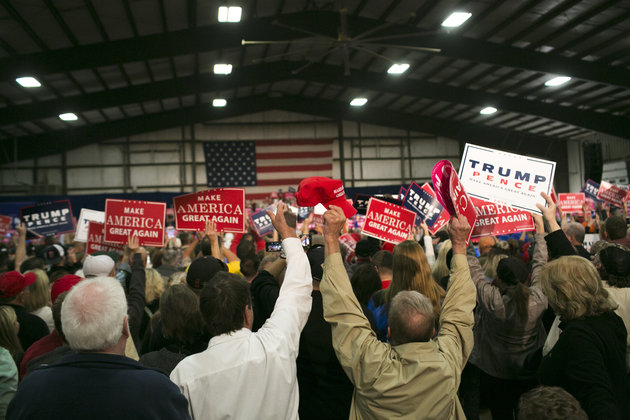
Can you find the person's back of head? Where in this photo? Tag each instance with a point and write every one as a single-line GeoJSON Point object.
{"type": "Point", "coordinates": [154, 285]}
{"type": "Point", "coordinates": [365, 282]}
{"type": "Point", "coordinates": [513, 274]}
{"type": "Point", "coordinates": [486, 243]}
{"type": "Point", "coordinates": [180, 315]}
{"type": "Point", "coordinates": [202, 270]}
{"type": "Point", "coordinates": [383, 260]}
{"type": "Point", "coordinates": [223, 302]}
{"type": "Point", "coordinates": [615, 265]}
{"type": "Point", "coordinates": [9, 328]}
{"type": "Point", "coordinates": [549, 403]}
{"type": "Point", "coordinates": [169, 257]}
{"type": "Point", "coordinates": [93, 314]}
{"type": "Point", "coordinates": [31, 264]}
{"type": "Point", "coordinates": [249, 266]}
{"type": "Point", "coordinates": [245, 249]}
{"type": "Point", "coordinates": [98, 266]}
{"type": "Point", "coordinates": [576, 231]}
{"type": "Point", "coordinates": [411, 318]}
{"type": "Point", "coordinates": [316, 259]}
{"type": "Point", "coordinates": [38, 293]}
{"type": "Point", "coordinates": [615, 228]}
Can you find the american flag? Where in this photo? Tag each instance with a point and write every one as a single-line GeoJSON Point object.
{"type": "Point", "coordinates": [265, 166]}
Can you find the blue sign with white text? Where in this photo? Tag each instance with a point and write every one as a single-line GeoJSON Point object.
{"type": "Point", "coordinates": [48, 218]}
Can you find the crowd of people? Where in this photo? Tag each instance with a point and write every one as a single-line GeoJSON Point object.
{"type": "Point", "coordinates": [214, 326]}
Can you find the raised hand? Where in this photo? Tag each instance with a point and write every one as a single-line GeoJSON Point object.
{"type": "Point", "coordinates": [280, 224]}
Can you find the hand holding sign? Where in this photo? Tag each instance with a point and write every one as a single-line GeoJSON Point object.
{"type": "Point", "coordinates": [459, 231]}
{"type": "Point", "coordinates": [278, 221]}
{"type": "Point", "coordinates": [334, 221]}
{"type": "Point", "coordinates": [21, 230]}
{"type": "Point", "coordinates": [549, 212]}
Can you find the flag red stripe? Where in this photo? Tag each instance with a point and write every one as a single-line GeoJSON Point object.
{"type": "Point", "coordinates": [281, 182]}
{"type": "Point", "coordinates": [294, 168]}
{"type": "Point", "coordinates": [257, 196]}
{"type": "Point", "coordinates": [292, 142]}
{"type": "Point", "coordinates": [289, 155]}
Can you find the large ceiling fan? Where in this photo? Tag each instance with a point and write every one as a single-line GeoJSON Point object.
{"type": "Point", "coordinates": [364, 42]}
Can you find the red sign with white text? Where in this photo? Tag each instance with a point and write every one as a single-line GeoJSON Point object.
{"type": "Point", "coordinates": [497, 219]}
{"type": "Point", "coordinates": [349, 240]}
{"type": "Point", "coordinates": [611, 194]}
{"type": "Point", "coordinates": [143, 218]}
{"type": "Point", "coordinates": [95, 240]}
{"type": "Point", "coordinates": [571, 202]}
{"type": "Point", "coordinates": [5, 224]}
{"type": "Point", "coordinates": [223, 206]}
{"type": "Point", "coordinates": [450, 193]}
{"type": "Point", "coordinates": [387, 221]}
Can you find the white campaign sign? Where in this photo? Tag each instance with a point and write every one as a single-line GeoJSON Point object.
{"type": "Point", "coordinates": [506, 178]}
{"type": "Point", "coordinates": [86, 216]}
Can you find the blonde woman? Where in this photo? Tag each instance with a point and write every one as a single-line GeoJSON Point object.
{"type": "Point", "coordinates": [37, 298]}
{"type": "Point", "coordinates": [589, 359]}
{"type": "Point", "coordinates": [411, 271]}
{"type": "Point", "coordinates": [154, 287]}
{"type": "Point", "coordinates": [499, 251]}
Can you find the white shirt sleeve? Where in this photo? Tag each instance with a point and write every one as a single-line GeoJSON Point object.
{"type": "Point", "coordinates": [428, 249]}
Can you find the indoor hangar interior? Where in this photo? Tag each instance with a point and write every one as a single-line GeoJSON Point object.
{"type": "Point", "coordinates": [103, 97]}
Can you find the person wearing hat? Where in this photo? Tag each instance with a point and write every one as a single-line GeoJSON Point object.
{"type": "Point", "coordinates": [97, 382]}
{"type": "Point", "coordinates": [244, 374]}
{"type": "Point", "coordinates": [509, 327]}
{"type": "Point", "coordinates": [12, 293]}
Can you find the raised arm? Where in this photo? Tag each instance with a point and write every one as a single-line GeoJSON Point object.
{"type": "Point", "coordinates": [358, 349]}
{"type": "Point", "coordinates": [539, 259]}
{"type": "Point", "coordinates": [488, 296]}
{"type": "Point", "coordinates": [455, 338]}
{"type": "Point", "coordinates": [294, 301]}
{"type": "Point", "coordinates": [20, 250]}
{"type": "Point", "coordinates": [557, 242]}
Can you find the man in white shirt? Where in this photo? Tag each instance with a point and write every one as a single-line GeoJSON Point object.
{"type": "Point", "coordinates": [246, 375]}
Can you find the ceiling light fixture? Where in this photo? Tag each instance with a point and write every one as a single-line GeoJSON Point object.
{"type": "Point", "coordinates": [230, 14]}
{"type": "Point", "coordinates": [358, 102]}
{"type": "Point", "coordinates": [456, 19]}
{"type": "Point", "coordinates": [68, 116]}
{"type": "Point", "coordinates": [488, 110]}
{"type": "Point", "coordinates": [557, 81]}
{"type": "Point", "coordinates": [222, 69]}
{"type": "Point", "coordinates": [219, 103]}
{"type": "Point", "coordinates": [398, 68]}
{"type": "Point", "coordinates": [28, 82]}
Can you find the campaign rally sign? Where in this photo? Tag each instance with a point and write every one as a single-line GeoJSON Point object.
{"type": "Point", "coordinates": [223, 206]}
{"type": "Point", "coordinates": [349, 240]}
{"type": "Point", "coordinates": [5, 224]}
{"type": "Point", "coordinates": [95, 239]}
{"type": "Point", "coordinates": [361, 202]}
{"type": "Point", "coordinates": [422, 200]}
{"type": "Point", "coordinates": [506, 178]}
{"type": "Point", "coordinates": [571, 202]}
{"type": "Point", "coordinates": [87, 216]}
{"type": "Point", "coordinates": [402, 193]}
{"type": "Point", "coordinates": [589, 240]}
{"type": "Point", "coordinates": [590, 189]}
{"type": "Point", "coordinates": [142, 218]}
{"type": "Point", "coordinates": [451, 194]}
{"type": "Point", "coordinates": [262, 222]}
{"type": "Point", "coordinates": [303, 213]}
{"type": "Point", "coordinates": [497, 219]}
{"type": "Point", "coordinates": [48, 218]}
{"type": "Point", "coordinates": [388, 222]}
{"type": "Point", "coordinates": [611, 194]}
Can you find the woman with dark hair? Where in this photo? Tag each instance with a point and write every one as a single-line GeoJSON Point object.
{"type": "Point", "coordinates": [182, 326]}
{"type": "Point", "coordinates": [411, 271]}
{"type": "Point", "coordinates": [508, 327]}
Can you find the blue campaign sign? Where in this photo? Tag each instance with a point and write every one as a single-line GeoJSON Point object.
{"type": "Point", "coordinates": [48, 218]}
{"type": "Point", "coordinates": [303, 213]}
{"type": "Point", "coordinates": [420, 201]}
{"type": "Point", "coordinates": [590, 189]}
{"type": "Point", "coordinates": [262, 222]}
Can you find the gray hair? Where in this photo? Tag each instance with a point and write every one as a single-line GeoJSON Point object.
{"type": "Point", "coordinates": [169, 257]}
{"type": "Point", "coordinates": [576, 230]}
{"type": "Point", "coordinates": [411, 317]}
{"type": "Point", "coordinates": [93, 314]}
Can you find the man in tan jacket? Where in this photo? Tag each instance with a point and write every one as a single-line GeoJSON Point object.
{"type": "Point", "coordinates": [417, 376]}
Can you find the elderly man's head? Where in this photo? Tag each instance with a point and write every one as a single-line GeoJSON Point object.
{"type": "Point", "coordinates": [94, 316]}
{"type": "Point", "coordinates": [411, 318]}
{"type": "Point", "coordinates": [575, 232]}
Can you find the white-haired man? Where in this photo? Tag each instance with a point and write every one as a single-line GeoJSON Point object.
{"type": "Point", "coordinates": [98, 382]}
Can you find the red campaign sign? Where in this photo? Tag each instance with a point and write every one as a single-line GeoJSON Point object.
{"type": "Point", "coordinates": [387, 221]}
{"type": "Point", "coordinates": [5, 224]}
{"type": "Point", "coordinates": [223, 206]}
{"type": "Point", "coordinates": [349, 240]}
{"type": "Point", "coordinates": [144, 218]}
{"type": "Point", "coordinates": [95, 242]}
{"type": "Point", "coordinates": [450, 193]}
{"type": "Point", "coordinates": [611, 194]}
{"type": "Point", "coordinates": [571, 202]}
{"type": "Point", "coordinates": [498, 219]}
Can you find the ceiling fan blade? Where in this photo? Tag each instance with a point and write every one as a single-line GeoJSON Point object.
{"type": "Point", "coordinates": [399, 36]}
{"type": "Point", "coordinates": [343, 30]}
{"type": "Point", "coordinates": [405, 47]}
{"type": "Point", "coordinates": [328, 52]}
{"type": "Point", "coordinates": [294, 41]}
{"type": "Point", "coordinates": [304, 31]}
{"type": "Point", "coordinates": [346, 61]}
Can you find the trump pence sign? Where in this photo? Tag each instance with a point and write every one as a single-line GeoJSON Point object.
{"type": "Point", "coordinates": [506, 178]}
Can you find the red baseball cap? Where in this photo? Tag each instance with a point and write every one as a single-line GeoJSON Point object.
{"type": "Point", "coordinates": [319, 189]}
{"type": "Point", "coordinates": [12, 283]}
{"type": "Point", "coordinates": [63, 284]}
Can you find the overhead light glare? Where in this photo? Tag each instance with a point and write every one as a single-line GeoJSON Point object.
{"type": "Point", "coordinates": [219, 103]}
{"type": "Point", "coordinates": [230, 14]}
{"type": "Point", "coordinates": [28, 82]}
{"type": "Point", "coordinates": [398, 68]}
{"type": "Point", "coordinates": [456, 19]}
{"type": "Point", "coordinates": [222, 69]}
{"type": "Point", "coordinates": [68, 116]}
{"type": "Point", "coordinates": [358, 102]}
{"type": "Point", "coordinates": [488, 110]}
{"type": "Point", "coordinates": [557, 81]}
